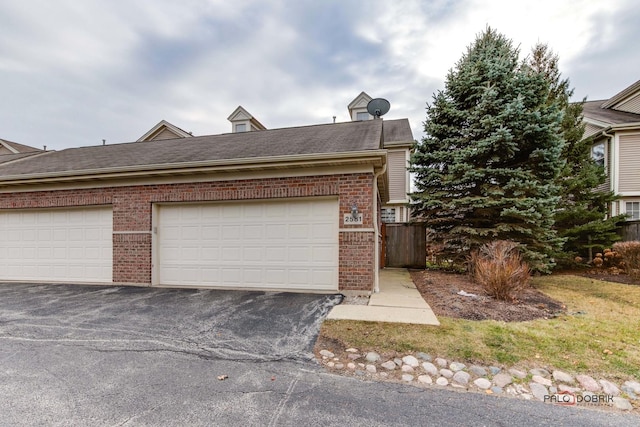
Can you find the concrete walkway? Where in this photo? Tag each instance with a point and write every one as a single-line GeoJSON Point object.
{"type": "Point", "coordinates": [398, 302]}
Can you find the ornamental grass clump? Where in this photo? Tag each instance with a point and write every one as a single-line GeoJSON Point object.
{"type": "Point", "coordinates": [498, 266]}
{"type": "Point", "coordinates": [630, 253]}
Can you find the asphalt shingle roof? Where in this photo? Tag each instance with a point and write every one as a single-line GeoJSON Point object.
{"type": "Point", "coordinates": [593, 110]}
{"type": "Point", "coordinates": [307, 140]}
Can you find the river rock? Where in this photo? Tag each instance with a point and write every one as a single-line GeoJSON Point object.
{"type": "Point", "coordinates": [430, 368]}
{"type": "Point", "coordinates": [327, 354]}
{"type": "Point", "coordinates": [563, 377]}
{"type": "Point", "coordinates": [442, 381]}
{"type": "Point", "coordinates": [446, 373]}
{"type": "Point", "coordinates": [455, 366]}
{"type": "Point", "coordinates": [502, 380]}
{"type": "Point", "coordinates": [541, 380]}
{"type": "Point", "coordinates": [461, 378]}
{"type": "Point", "coordinates": [516, 373]}
{"type": "Point", "coordinates": [425, 379]}
{"type": "Point", "coordinates": [372, 357]}
{"type": "Point", "coordinates": [478, 371]}
{"type": "Point", "coordinates": [389, 365]}
{"type": "Point", "coordinates": [538, 390]}
{"type": "Point", "coordinates": [588, 383]}
{"type": "Point", "coordinates": [622, 403]}
{"type": "Point", "coordinates": [482, 383]}
{"type": "Point", "coordinates": [609, 388]}
{"type": "Point", "coordinates": [411, 361]}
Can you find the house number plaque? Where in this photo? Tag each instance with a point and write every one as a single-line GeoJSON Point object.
{"type": "Point", "coordinates": [351, 220]}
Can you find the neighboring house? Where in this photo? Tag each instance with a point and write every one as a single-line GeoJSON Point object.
{"type": "Point", "coordinates": [614, 125]}
{"type": "Point", "coordinates": [10, 151]}
{"type": "Point", "coordinates": [294, 209]}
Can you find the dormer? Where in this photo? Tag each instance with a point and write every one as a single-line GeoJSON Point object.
{"type": "Point", "coordinates": [164, 130]}
{"type": "Point", "coordinates": [242, 121]}
{"type": "Point", "coordinates": [358, 108]}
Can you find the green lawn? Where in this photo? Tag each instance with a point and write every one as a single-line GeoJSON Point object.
{"type": "Point", "coordinates": [599, 335]}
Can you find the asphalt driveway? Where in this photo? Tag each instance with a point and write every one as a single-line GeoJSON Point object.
{"type": "Point", "coordinates": [73, 355]}
{"type": "Point", "coordinates": [207, 323]}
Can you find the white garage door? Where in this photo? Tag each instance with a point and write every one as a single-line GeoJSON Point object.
{"type": "Point", "coordinates": [283, 245]}
{"type": "Point", "coordinates": [56, 245]}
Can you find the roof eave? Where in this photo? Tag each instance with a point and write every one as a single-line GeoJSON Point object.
{"type": "Point", "coordinates": [625, 126]}
{"type": "Point", "coordinates": [375, 157]}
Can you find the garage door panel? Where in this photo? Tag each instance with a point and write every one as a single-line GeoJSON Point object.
{"type": "Point", "coordinates": [252, 254]}
{"type": "Point", "coordinates": [276, 245]}
{"type": "Point", "coordinates": [56, 245]}
{"type": "Point", "coordinates": [210, 232]}
{"type": "Point", "coordinates": [232, 276]}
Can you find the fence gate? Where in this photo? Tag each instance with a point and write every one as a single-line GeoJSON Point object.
{"type": "Point", "coordinates": [405, 245]}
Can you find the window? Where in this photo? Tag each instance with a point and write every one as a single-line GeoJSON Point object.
{"type": "Point", "coordinates": [633, 210]}
{"type": "Point", "coordinates": [388, 215]}
{"type": "Point", "coordinates": [362, 116]}
{"type": "Point", "coordinates": [241, 127]}
{"type": "Point", "coordinates": [597, 153]}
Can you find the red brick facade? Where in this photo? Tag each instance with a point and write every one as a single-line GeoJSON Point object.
{"type": "Point", "coordinates": [132, 216]}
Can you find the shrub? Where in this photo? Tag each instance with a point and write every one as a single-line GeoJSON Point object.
{"type": "Point", "coordinates": [499, 268]}
{"type": "Point", "coordinates": [630, 253]}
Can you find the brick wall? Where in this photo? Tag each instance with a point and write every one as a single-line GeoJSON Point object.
{"type": "Point", "coordinates": [132, 216]}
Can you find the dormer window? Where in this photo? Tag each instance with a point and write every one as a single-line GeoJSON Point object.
{"type": "Point", "coordinates": [241, 127]}
{"type": "Point", "coordinates": [360, 116]}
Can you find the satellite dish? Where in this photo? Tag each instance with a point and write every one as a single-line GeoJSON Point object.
{"type": "Point", "coordinates": [378, 107]}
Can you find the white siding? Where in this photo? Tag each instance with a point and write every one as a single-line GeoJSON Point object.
{"type": "Point", "coordinates": [631, 105]}
{"type": "Point", "coordinates": [629, 163]}
{"type": "Point", "coordinates": [398, 175]}
{"type": "Point", "coordinates": [165, 134]}
{"type": "Point", "coordinates": [590, 129]}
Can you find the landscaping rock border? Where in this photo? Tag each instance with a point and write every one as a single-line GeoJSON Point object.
{"type": "Point", "coordinates": [423, 370]}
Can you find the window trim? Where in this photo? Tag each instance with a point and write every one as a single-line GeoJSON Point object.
{"type": "Point", "coordinates": [633, 208]}
{"type": "Point", "coordinates": [358, 116]}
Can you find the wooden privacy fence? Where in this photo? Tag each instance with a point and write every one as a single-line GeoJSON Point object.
{"type": "Point", "coordinates": [630, 230]}
{"type": "Point", "coordinates": [405, 245]}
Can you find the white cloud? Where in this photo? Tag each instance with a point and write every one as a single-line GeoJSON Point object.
{"type": "Point", "coordinates": [72, 73]}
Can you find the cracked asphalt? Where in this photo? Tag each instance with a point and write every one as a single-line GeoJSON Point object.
{"type": "Point", "coordinates": [79, 355]}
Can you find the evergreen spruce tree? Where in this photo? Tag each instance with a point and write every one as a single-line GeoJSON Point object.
{"type": "Point", "coordinates": [487, 167]}
{"type": "Point", "coordinates": [581, 217]}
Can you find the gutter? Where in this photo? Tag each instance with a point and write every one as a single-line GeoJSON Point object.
{"type": "Point", "coordinates": [376, 231]}
{"type": "Point", "coordinates": [221, 165]}
{"type": "Point", "coordinates": [623, 126]}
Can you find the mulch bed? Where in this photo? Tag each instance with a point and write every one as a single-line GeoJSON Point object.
{"type": "Point", "coordinates": [440, 290]}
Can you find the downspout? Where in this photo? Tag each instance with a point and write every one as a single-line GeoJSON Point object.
{"type": "Point", "coordinates": [611, 160]}
{"type": "Point", "coordinates": [376, 230]}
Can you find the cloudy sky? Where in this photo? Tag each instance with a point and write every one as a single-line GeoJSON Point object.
{"type": "Point", "coordinates": [75, 72]}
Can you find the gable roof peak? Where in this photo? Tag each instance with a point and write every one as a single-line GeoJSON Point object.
{"type": "Point", "coordinates": [623, 95]}
{"type": "Point", "coordinates": [161, 127]}
{"type": "Point", "coordinates": [358, 101]}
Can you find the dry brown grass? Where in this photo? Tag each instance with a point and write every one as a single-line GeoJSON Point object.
{"type": "Point", "coordinates": [630, 253]}
{"type": "Point", "coordinates": [499, 268]}
{"type": "Point", "coordinates": [599, 335]}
